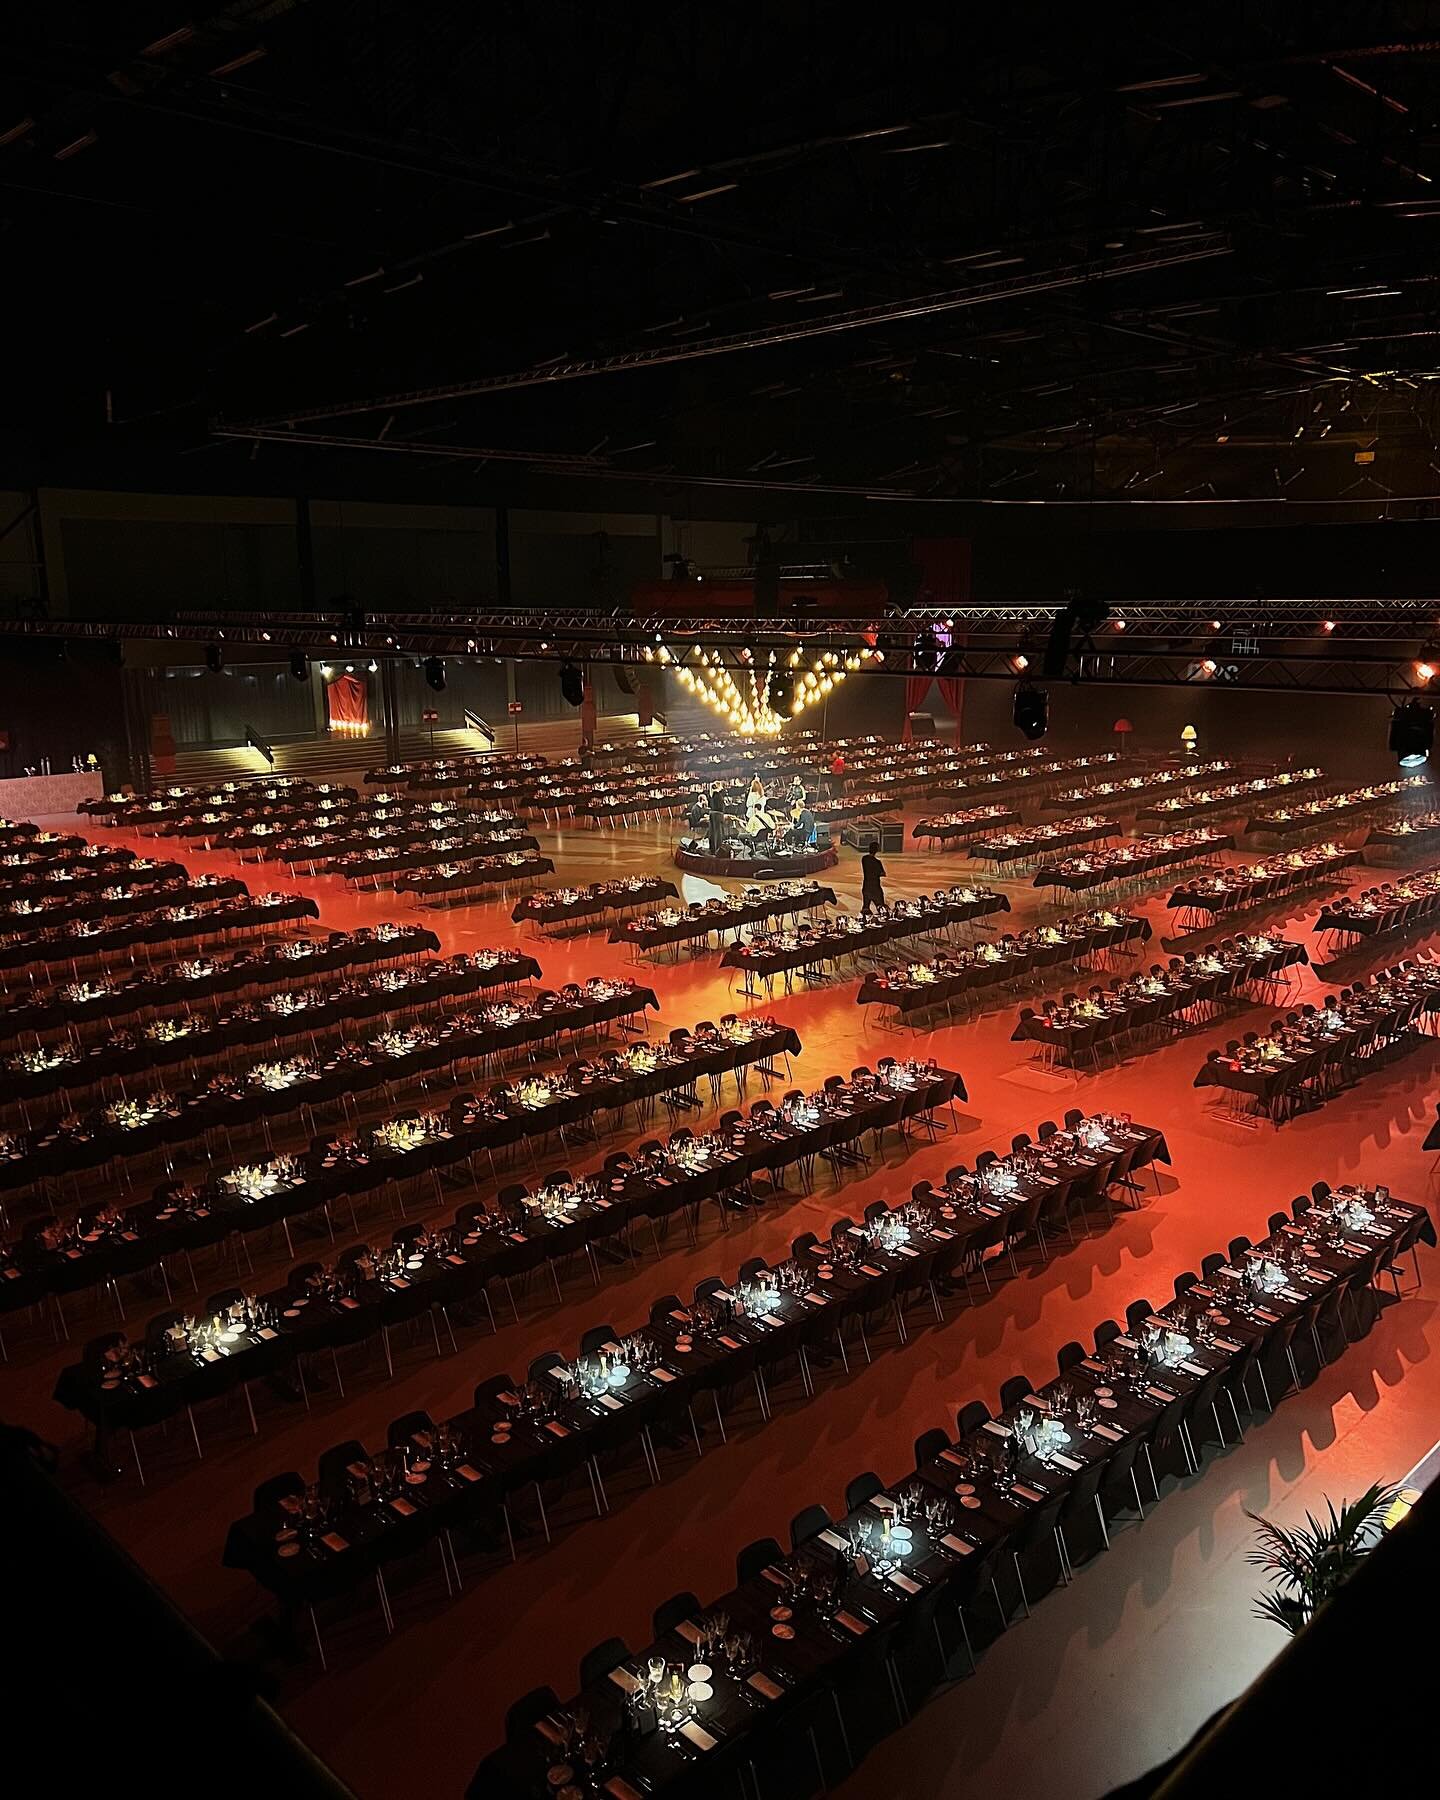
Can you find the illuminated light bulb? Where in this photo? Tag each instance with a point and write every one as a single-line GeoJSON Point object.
{"type": "Point", "coordinates": [1425, 670]}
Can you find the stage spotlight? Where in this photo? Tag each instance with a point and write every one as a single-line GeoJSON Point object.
{"type": "Point", "coordinates": [300, 665]}
{"type": "Point", "coordinates": [572, 683]}
{"type": "Point", "coordinates": [1078, 615]}
{"type": "Point", "coordinates": [435, 673]}
{"type": "Point", "coordinates": [926, 651]}
{"type": "Point", "coordinates": [623, 679]}
{"type": "Point", "coordinates": [1412, 733]}
{"type": "Point", "coordinates": [214, 658]}
{"type": "Point", "coordinates": [1031, 710]}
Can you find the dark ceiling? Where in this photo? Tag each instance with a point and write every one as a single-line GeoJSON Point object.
{"type": "Point", "coordinates": [1119, 252]}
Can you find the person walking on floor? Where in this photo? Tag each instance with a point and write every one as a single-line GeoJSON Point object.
{"type": "Point", "coordinates": [872, 872]}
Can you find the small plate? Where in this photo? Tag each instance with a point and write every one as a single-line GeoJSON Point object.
{"type": "Point", "coordinates": [782, 1631]}
{"type": "Point", "coordinates": [972, 1501]}
{"type": "Point", "coordinates": [699, 1672]}
{"type": "Point", "coordinates": [964, 1487]}
{"type": "Point", "coordinates": [781, 1612]}
{"type": "Point", "coordinates": [288, 1550]}
{"type": "Point", "coordinates": [701, 1691]}
{"type": "Point", "coordinates": [1104, 1393]}
{"type": "Point", "coordinates": [559, 1775]}
{"type": "Point", "coordinates": [1110, 1405]}
{"type": "Point", "coordinates": [292, 1312]}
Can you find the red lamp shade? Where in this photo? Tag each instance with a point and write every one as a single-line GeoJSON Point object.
{"type": "Point", "coordinates": [1122, 725]}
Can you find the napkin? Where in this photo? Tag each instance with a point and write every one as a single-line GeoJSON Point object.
{"type": "Point", "coordinates": [610, 1403]}
{"type": "Point", "coordinates": [1194, 1368]}
{"type": "Point", "coordinates": [624, 1680]}
{"type": "Point", "coordinates": [698, 1735]}
{"type": "Point", "coordinates": [763, 1684]}
{"type": "Point", "coordinates": [1033, 1495]}
{"type": "Point", "coordinates": [952, 1456]}
{"type": "Point", "coordinates": [905, 1582]}
{"type": "Point", "coordinates": [1108, 1432]}
{"type": "Point", "coordinates": [730, 1343]}
{"type": "Point", "coordinates": [833, 1539]}
{"type": "Point", "coordinates": [619, 1788]}
{"type": "Point", "coordinates": [332, 1540]}
{"type": "Point", "coordinates": [402, 1506]}
{"type": "Point", "coordinates": [689, 1630]}
{"type": "Point", "coordinates": [851, 1623]}
{"type": "Point", "coordinates": [1062, 1461]}
{"type": "Point", "coordinates": [957, 1544]}
{"type": "Point", "coordinates": [817, 1299]}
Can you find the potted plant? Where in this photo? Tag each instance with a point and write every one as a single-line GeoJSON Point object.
{"type": "Point", "coordinates": [1308, 1564]}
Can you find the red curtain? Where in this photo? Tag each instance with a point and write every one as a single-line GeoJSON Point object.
{"type": "Point", "coordinates": [916, 688]}
{"type": "Point", "coordinates": [952, 692]}
{"type": "Point", "coordinates": [347, 703]}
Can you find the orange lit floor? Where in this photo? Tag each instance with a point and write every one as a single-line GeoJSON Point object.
{"type": "Point", "coordinates": [1106, 1678]}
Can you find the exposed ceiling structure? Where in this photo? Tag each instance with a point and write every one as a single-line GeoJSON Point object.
{"type": "Point", "coordinates": [1152, 254]}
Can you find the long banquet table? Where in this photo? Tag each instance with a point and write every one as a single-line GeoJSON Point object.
{"type": "Point", "coordinates": [831, 941]}
{"type": "Point", "coordinates": [719, 915]}
{"type": "Point", "coordinates": [875, 1578]}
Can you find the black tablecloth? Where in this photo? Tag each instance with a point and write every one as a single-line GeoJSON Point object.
{"type": "Point", "coordinates": [260, 965]}
{"type": "Point", "coordinates": [478, 874]}
{"type": "Point", "coordinates": [97, 909]}
{"type": "Point", "coordinates": [1230, 798]}
{"type": "Point", "coordinates": [1140, 857]}
{"type": "Point", "coordinates": [967, 825]}
{"type": "Point", "coordinates": [550, 908]}
{"type": "Point", "coordinates": [1075, 1037]}
{"type": "Point", "coordinates": [145, 1234]}
{"type": "Point", "coordinates": [832, 940]}
{"type": "Point", "coordinates": [720, 915]}
{"type": "Point", "coordinates": [1235, 889]}
{"type": "Point", "coordinates": [77, 944]}
{"type": "Point", "coordinates": [965, 972]}
{"type": "Point", "coordinates": [1021, 846]}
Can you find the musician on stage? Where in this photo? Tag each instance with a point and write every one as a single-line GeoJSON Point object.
{"type": "Point", "coordinates": [758, 816]}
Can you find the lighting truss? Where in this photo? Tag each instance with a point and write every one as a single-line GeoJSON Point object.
{"type": "Point", "coordinates": [1268, 646]}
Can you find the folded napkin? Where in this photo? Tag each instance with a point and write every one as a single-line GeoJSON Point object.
{"type": "Point", "coordinates": [698, 1735]}
{"type": "Point", "coordinates": [906, 1583]}
{"type": "Point", "coordinates": [1062, 1461]}
{"type": "Point", "coordinates": [763, 1684]}
{"type": "Point", "coordinates": [1033, 1495]}
{"type": "Point", "coordinates": [332, 1540]}
{"type": "Point", "coordinates": [957, 1544]}
{"type": "Point", "coordinates": [1194, 1368]}
{"type": "Point", "coordinates": [1108, 1432]}
{"type": "Point", "coordinates": [610, 1403]}
{"type": "Point", "coordinates": [624, 1680]}
{"type": "Point", "coordinates": [851, 1623]}
{"type": "Point", "coordinates": [953, 1456]}
{"type": "Point", "coordinates": [689, 1630]}
{"type": "Point", "coordinates": [817, 1299]}
{"type": "Point", "coordinates": [833, 1539]}
{"type": "Point", "coordinates": [619, 1788]}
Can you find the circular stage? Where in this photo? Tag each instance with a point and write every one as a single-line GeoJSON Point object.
{"type": "Point", "coordinates": [772, 865]}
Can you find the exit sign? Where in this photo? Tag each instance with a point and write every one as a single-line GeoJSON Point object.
{"type": "Point", "coordinates": [516, 708]}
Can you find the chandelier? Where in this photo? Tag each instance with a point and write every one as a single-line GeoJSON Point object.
{"type": "Point", "coordinates": [758, 705]}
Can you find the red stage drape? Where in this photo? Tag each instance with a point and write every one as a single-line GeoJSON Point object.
{"type": "Point", "coordinates": [347, 702]}
{"type": "Point", "coordinates": [952, 689]}
{"type": "Point", "coordinates": [916, 688]}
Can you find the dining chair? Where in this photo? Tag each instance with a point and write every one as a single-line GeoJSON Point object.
{"type": "Point", "coordinates": [1136, 1313]}
{"type": "Point", "coordinates": [526, 1713]}
{"type": "Point", "coordinates": [1105, 1333]}
{"type": "Point", "coordinates": [594, 1337]}
{"type": "Point", "coordinates": [1211, 1265]}
{"type": "Point", "coordinates": [756, 1557]}
{"type": "Point", "coordinates": [1237, 1248]}
{"type": "Point", "coordinates": [971, 1416]}
{"type": "Point", "coordinates": [1068, 1355]}
{"type": "Point", "coordinates": [674, 1611]}
{"type": "Point", "coordinates": [809, 1522]}
{"type": "Point", "coordinates": [1013, 1391]}
{"type": "Point", "coordinates": [861, 1488]}
{"type": "Point", "coordinates": [929, 1444]}
{"type": "Point", "coordinates": [600, 1659]}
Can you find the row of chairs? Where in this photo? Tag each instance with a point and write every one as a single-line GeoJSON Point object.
{"type": "Point", "coordinates": [1050, 1535]}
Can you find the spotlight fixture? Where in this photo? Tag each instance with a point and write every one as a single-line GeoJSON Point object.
{"type": "Point", "coordinates": [925, 653]}
{"type": "Point", "coordinates": [1425, 670]}
{"type": "Point", "coordinates": [623, 679]}
{"type": "Point", "coordinates": [1412, 733]}
{"type": "Point", "coordinates": [214, 658]}
{"type": "Point", "coordinates": [1031, 710]}
{"type": "Point", "coordinates": [299, 665]}
{"type": "Point", "coordinates": [572, 683]}
{"type": "Point", "coordinates": [435, 673]}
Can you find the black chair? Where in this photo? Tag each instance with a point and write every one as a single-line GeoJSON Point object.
{"type": "Point", "coordinates": [1068, 1355]}
{"type": "Point", "coordinates": [1237, 1248]}
{"type": "Point", "coordinates": [808, 1523]}
{"type": "Point", "coordinates": [1013, 1391]}
{"type": "Point", "coordinates": [861, 1488]}
{"type": "Point", "coordinates": [674, 1611]}
{"type": "Point", "coordinates": [1184, 1282]}
{"type": "Point", "coordinates": [971, 1416]}
{"type": "Point", "coordinates": [526, 1714]}
{"type": "Point", "coordinates": [597, 1663]}
{"type": "Point", "coordinates": [1211, 1265]}
{"type": "Point", "coordinates": [755, 1558]}
{"type": "Point", "coordinates": [929, 1444]}
{"type": "Point", "coordinates": [1105, 1333]}
{"type": "Point", "coordinates": [1136, 1313]}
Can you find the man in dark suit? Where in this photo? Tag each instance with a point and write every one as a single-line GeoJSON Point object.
{"type": "Point", "coordinates": [872, 871]}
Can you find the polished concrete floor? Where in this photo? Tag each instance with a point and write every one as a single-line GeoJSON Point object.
{"type": "Point", "coordinates": [1109, 1675]}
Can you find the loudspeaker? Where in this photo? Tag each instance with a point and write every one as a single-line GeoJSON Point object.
{"type": "Point", "coordinates": [624, 680]}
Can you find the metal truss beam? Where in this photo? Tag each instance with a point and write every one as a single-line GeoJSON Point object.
{"type": "Point", "coordinates": [581, 637]}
